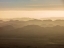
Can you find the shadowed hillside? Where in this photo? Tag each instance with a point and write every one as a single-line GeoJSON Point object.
{"type": "Point", "coordinates": [32, 34]}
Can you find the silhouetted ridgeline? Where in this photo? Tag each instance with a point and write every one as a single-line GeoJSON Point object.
{"type": "Point", "coordinates": [32, 34]}
{"type": "Point", "coordinates": [42, 23]}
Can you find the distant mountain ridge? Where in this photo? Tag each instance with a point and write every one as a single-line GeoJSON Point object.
{"type": "Point", "coordinates": [53, 18]}
{"type": "Point", "coordinates": [27, 19]}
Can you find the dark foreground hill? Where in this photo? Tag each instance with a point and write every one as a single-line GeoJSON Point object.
{"type": "Point", "coordinates": [32, 36]}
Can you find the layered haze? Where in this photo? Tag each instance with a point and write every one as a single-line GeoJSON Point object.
{"type": "Point", "coordinates": [31, 23]}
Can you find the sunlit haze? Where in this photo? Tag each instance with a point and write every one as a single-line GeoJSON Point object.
{"type": "Point", "coordinates": [32, 14]}
{"type": "Point", "coordinates": [31, 8]}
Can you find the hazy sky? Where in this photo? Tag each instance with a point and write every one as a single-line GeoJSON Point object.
{"type": "Point", "coordinates": [16, 4]}
{"type": "Point", "coordinates": [31, 8]}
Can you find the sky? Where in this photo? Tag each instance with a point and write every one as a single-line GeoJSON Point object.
{"type": "Point", "coordinates": [31, 8]}
{"type": "Point", "coordinates": [30, 4]}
